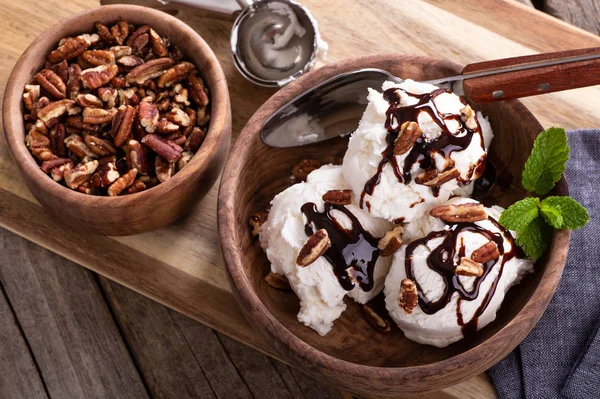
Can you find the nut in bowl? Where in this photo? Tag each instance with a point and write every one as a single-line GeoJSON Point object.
{"type": "Point", "coordinates": [353, 342]}
{"type": "Point", "coordinates": [119, 118]}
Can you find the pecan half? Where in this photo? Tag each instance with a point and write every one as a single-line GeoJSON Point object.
{"type": "Point", "coordinates": [461, 213]}
{"type": "Point", "coordinates": [74, 82]}
{"type": "Point", "coordinates": [176, 74]}
{"type": "Point", "coordinates": [71, 48]}
{"type": "Point", "coordinates": [62, 70]}
{"type": "Point", "coordinates": [136, 187]}
{"type": "Point", "coordinates": [469, 118]}
{"type": "Point", "coordinates": [166, 127]}
{"type": "Point", "coordinates": [93, 78]}
{"type": "Point", "coordinates": [468, 267]}
{"type": "Point", "coordinates": [168, 150]}
{"type": "Point", "coordinates": [303, 168]}
{"type": "Point", "coordinates": [57, 140]}
{"type": "Point", "coordinates": [130, 61]}
{"type": "Point", "coordinates": [375, 320]}
{"type": "Point", "coordinates": [315, 246]}
{"type": "Point", "coordinates": [409, 133]}
{"type": "Point", "coordinates": [179, 117]}
{"type": "Point", "coordinates": [76, 176]}
{"type": "Point", "coordinates": [96, 116]}
{"type": "Point", "coordinates": [137, 157]}
{"type": "Point", "coordinates": [257, 219]}
{"type": "Point", "coordinates": [99, 57]}
{"type": "Point", "coordinates": [51, 113]}
{"type": "Point", "coordinates": [158, 46]}
{"type": "Point", "coordinates": [338, 197]}
{"type": "Point", "coordinates": [278, 281]}
{"type": "Point", "coordinates": [149, 70]}
{"type": "Point", "coordinates": [39, 145]}
{"type": "Point", "coordinates": [77, 146]}
{"type": "Point", "coordinates": [137, 33]}
{"type": "Point", "coordinates": [148, 116]}
{"type": "Point", "coordinates": [408, 296]}
{"type": "Point", "coordinates": [163, 169]}
{"type": "Point", "coordinates": [195, 139]}
{"type": "Point", "coordinates": [197, 90]}
{"type": "Point", "coordinates": [391, 241]}
{"type": "Point", "coordinates": [88, 101]}
{"type": "Point", "coordinates": [119, 32]}
{"type": "Point", "coordinates": [104, 33]}
{"type": "Point", "coordinates": [433, 178]}
{"type": "Point", "coordinates": [98, 146]}
{"type": "Point", "coordinates": [122, 183]}
{"type": "Point", "coordinates": [120, 51]}
{"type": "Point", "coordinates": [486, 253]}
{"type": "Point", "coordinates": [51, 83]}
{"type": "Point", "coordinates": [122, 124]}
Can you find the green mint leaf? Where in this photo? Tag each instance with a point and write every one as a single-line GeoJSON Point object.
{"type": "Point", "coordinates": [520, 214]}
{"type": "Point", "coordinates": [534, 239]}
{"type": "Point", "coordinates": [573, 214]}
{"type": "Point", "coordinates": [546, 164]}
{"type": "Point", "coordinates": [552, 215]}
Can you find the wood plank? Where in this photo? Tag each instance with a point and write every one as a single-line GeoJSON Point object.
{"type": "Point", "coordinates": [19, 377]}
{"type": "Point", "coordinates": [70, 331]}
{"type": "Point", "coordinates": [582, 13]}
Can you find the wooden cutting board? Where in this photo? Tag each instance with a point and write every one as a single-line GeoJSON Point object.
{"type": "Point", "coordinates": [181, 265]}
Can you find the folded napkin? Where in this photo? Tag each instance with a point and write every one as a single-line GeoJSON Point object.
{"type": "Point", "coordinates": [560, 358]}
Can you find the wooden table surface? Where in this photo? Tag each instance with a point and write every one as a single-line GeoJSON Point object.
{"type": "Point", "coordinates": [69, 333]}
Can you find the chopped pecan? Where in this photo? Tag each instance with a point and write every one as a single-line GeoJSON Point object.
{"type": "Point", "coordinates": [203, 116]}
{"type": "Point", "coordinates": [99, 146]}
{"type": "Point", "coordinates": [130, 61]}
{"type": "Point", "coordinates": [105, 175]}
{"type": "Point", "coordinates": [166, 127]}
{"type": "Point", "coordinates": [142, 30]}
{"type": "Point", "coordinates": [192, 115]}
{"type": "Point", "coordinates": [163, 169]}
{"type": "Point", "coordinates": [278, 281]}
{"type": "Point", "coordinates": [119, 82]}
{"type": "Point", "coordinates": [128, 97]}
{"type": "Point", "coordinates": [168, 150]}
{"type": "Point", "coordinates": [408, 296]}
{"type": "Point", "coordinates": [140, 42]}
{"type": "Point", "coordinates": [39, 145]}
{"type": "Point", "coordinates": [122, 183]}
{"type": "Point", "coordinates": [58, 171]}
{"type": "Point", "coordinates": [179, 117]}
{"type": "Point", "coordinates": [197, 90]}
{"type": "Point", "coordinates": [99, 57]}
{"type": "Point", "coordinates": [182, 97]}
{"type": "Point", "coordinates": [433, 178]}
{"type": "Point", "coordinates": [303, 168]}
{"type": "Point", "coordinates": [77, 146]}
{"type": "Point", "coordinates": [51, 83]}
{"type": "Point", "coordinates": [104, 33]}
{"type": "Point", "coordinates": [468, 267]}
{"type": "Point", "coordinates": [71, 48]}
{"type": "Point", "coordinates": [30, 96]}
{"type": "Point", "coordinates": [96, 116]}
{"type": "Point", "coordinates": [486, 253]}
{"type": "Point", "coordinates": [469, 118]}
{"type": "Point", "coordinates": [186, 157]}
{"type": "Point", "coordinates": [74, 82]}
{"type": "Point", "coordinates": [137, 157]}
{"type": "Point", "coordinates": [158, 46]}
{"type": "Point", "coordinates": [409, 133]}
{"type": "Point", "coordinates": [257, 219]}
{"type": "Point", "coordinates": [391, 241]}
{"type": "Point", "coordinates": [461, 213]}
{"type": "Point", "coordinates": [76, 176]}
{"type": "Point", "coordinates": [375, 320]}
{"type": "Point", "coordinates": [176, 74]}
{"type": "Point", "coordinates": [108, 95]}
{"type": "Point", "coordinates": [149, 70]}
{"type": "Point", "coordinates": [53, 163]}
{"type": "Point", "coordinates": [57, 140]}
{"type": "Point", "coordinates": [122, 124]}
{"type": "Point", "coordinates": [120, 51]}
{"type": "Point", "coordinates": [62, 70]}
{"type": "Point", "coordinates": [119, 32]}
{"type": "Point", "coordinates": [148, 116]}
{"type": "Point", "coordinates": [51, 113]}
{"type": "Point", "coordinates": [338, 197]}
{"type": "Point", "coordinates": [93, 78]}
{"type": "Point", "coordinates": [195, 139]}
{"type": "Point", "coordinates": [315, 246]}
{"type": "Point", "coordinates": [136, 187]}
{"type": "Point", "coordinates": [163, 105]}
{"type": "Point", "coordinates": [88, 101]}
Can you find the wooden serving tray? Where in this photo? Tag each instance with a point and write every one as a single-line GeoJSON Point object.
{"type": "Point", "coordinates": [181, 265]}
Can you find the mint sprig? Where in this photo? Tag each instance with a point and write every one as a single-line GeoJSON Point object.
{"type": "Point", "coordinates": [533, 218]}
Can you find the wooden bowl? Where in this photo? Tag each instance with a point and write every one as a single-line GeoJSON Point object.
{"type": "Point", "coordinates": [353, 356]}
{"type": "Point", "coordinates": [147, 210]}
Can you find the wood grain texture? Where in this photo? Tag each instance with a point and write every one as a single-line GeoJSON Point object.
{"type": "Point", "coordinates": [181, 265]}
{"type": "Point", "coordinates": [582, 13]}
{"type": "Point", "coordinates": [67, 325]}
{"type": "Point", "coordinates": [149, 209]}
{"type": "Point", "coordinates": [387, 365]}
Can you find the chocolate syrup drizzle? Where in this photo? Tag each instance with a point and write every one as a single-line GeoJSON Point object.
{"type": "Point", "coordinates": [422, 151]}
{"type": "Point", "coordinates": [353, 248]}
{"type": "Point", "coordinates": [441, 261]}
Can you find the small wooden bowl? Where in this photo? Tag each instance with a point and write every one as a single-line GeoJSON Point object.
{"type": "Point", "coordinates": [354, 356]}
{"type": "Point", "coordinates": [147, 210]}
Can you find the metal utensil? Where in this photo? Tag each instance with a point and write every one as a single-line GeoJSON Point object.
{"type": "Point", "coordinates": [334, 107]}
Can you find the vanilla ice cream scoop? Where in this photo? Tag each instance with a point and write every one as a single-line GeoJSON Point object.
{"type": "Point", "coordinates": [415, 147]}
{"type": "Point", "coordinates": [451, 282]}
{"type": "Point", "coordinates": [351, 266]}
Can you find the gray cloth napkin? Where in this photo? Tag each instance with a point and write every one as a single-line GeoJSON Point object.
{"type": "Point", "coordinates": [560, 358]}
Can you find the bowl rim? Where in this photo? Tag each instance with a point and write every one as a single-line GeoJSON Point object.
{"type": "Point", "coordinates": [12, 111]}
{"type": "Point", "coordinates": [292, 346]}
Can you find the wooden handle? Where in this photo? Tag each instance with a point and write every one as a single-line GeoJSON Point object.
{"type": "Point", "coordinates": [531, 82]}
